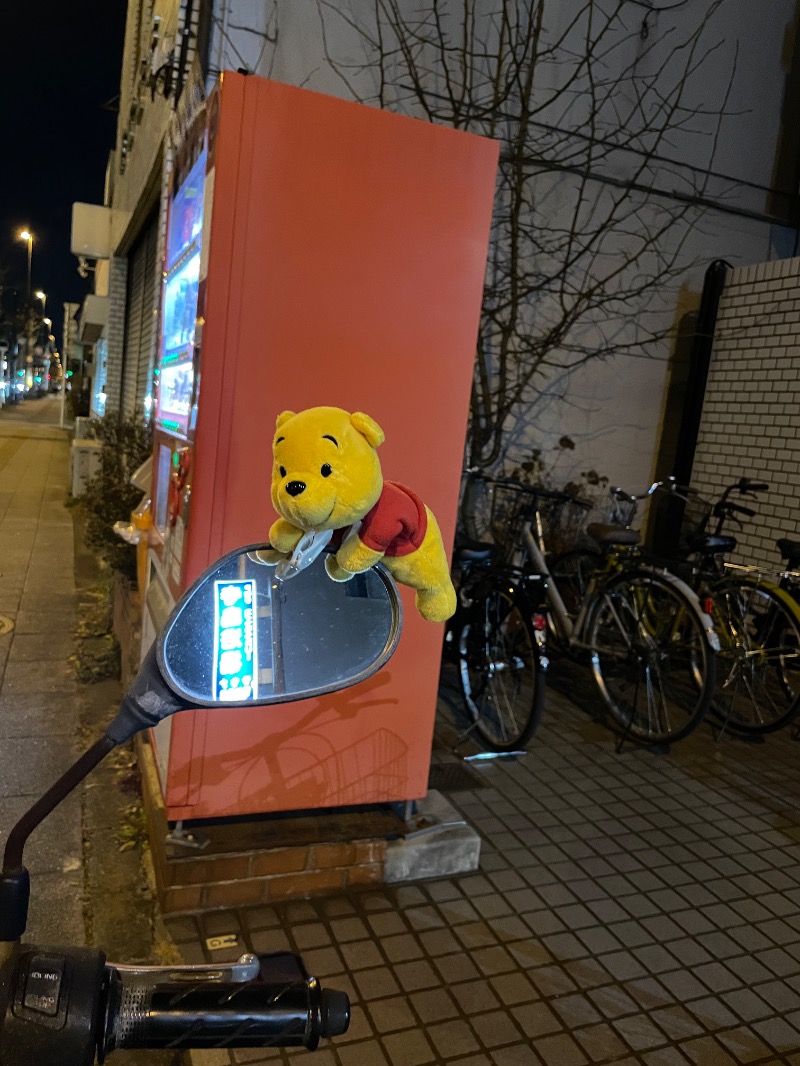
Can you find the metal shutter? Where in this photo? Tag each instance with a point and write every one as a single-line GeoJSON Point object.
{"type": "Point", "coordinates": [141, 317]}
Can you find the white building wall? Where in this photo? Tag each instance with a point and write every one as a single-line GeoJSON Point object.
{"type": "Point", "coordinates": [751, 415]}
{"type": "Point", "coordinates": [612, 409]}
{"type": "Point", "coordinates": [143, 117]}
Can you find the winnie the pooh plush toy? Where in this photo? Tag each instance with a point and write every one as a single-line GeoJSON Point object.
{"type": "Point", "coordinates": [326, 476]}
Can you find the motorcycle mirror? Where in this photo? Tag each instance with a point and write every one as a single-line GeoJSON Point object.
{"type": "Point", "coordinates": [241, 636]}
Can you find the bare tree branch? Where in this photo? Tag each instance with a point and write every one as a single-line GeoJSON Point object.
{"type": "Point", "coordinates": [593, 209]}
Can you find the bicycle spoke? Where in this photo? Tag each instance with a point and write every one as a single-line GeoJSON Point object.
{"type": "Point", "coordinates": [650, 657]}
{"type": "Point", "coordinates": [760, 642]}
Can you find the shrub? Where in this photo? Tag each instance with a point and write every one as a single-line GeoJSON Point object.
{"type": "Point", "coordinates": [110, 496]}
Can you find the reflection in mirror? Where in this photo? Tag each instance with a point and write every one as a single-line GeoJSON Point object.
{"type": "Point", "coordinates": [241, 636]}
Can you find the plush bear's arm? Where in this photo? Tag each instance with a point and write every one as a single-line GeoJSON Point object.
{"type": "Point", "coordinates": [354, 556]}
{"type": "Point", "coordinates": [284, 536]}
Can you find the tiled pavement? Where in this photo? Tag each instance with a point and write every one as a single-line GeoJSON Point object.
{"type": "Point", "coordinates": [630, 908]}
{"type": "Point", "coordinates": [38, 707]}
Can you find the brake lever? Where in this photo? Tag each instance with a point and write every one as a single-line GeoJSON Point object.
{"type": "Point", "coordinates": [247, 968]}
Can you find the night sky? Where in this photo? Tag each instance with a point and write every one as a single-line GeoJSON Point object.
{"type": "Point", "coordinates": [61, 73]}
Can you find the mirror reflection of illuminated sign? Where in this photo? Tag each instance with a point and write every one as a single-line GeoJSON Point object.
{"type": "Point", "coordinates": [235, 659]}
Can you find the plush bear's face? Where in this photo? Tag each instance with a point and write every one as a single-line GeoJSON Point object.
{"type": "Point", "coordinates": [326, 472]}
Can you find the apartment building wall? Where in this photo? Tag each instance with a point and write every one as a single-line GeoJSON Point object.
{"type": "Point", "coordinates": [751, 414]}
{"type": "Point", "coordinates": [612, 410]}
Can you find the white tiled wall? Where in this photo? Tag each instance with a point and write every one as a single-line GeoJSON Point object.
{"type": "Point", "coordinates": [751, 414]}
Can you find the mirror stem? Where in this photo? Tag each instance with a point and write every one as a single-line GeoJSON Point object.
{"type": "Point", "coordinates": [14, 889]}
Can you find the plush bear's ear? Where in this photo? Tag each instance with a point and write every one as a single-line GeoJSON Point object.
{"type": "Point", "coordinates": [369, 428]}
{"type": "Point", "coordinates": [283, 417]}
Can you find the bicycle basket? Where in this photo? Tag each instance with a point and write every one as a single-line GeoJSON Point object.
{"type": "Point", "coordinates": [696, 513]}
{"type": "Point", "coordinates": [511, 508]}
{"type": "Point", "coordinates": [676, 517]}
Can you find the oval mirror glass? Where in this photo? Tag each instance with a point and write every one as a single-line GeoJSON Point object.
{"type": "Point", "coordinates": [241, 636]}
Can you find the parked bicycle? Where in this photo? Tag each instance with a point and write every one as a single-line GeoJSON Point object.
{"type": "Point", "coordinates": [497, 636]}
{"type": "Point", "coordinates": [651, 646]}
{"type": "Point", "coordinates": [757, 621]}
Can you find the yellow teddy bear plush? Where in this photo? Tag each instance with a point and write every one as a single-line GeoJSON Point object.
{"type": "Point", "coordinates": [327, 476]}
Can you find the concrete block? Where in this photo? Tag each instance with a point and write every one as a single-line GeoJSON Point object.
{"type": "Point", "coordinates": [443, 846]}
{"type": "Point", "coordinates": [85, 463]}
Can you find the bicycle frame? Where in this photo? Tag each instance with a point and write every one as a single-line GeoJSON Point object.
{"type": "Point", "coordinates": [572, 631]}
{"type": "Point", "coordinates": [564, 624]}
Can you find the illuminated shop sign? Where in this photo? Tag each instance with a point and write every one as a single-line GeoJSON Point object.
{"type": "Point", "coordinates": [235, 660]}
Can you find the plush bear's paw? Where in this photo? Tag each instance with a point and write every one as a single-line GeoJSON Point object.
{"type": "Point", "coordinates": [336, 572]}
{"type": "Point", "coordinates": [436, 605]}
{"type": "Point", "coordinates": [283, 536]}
{"type": "Point", "coordinates": [266, 556]}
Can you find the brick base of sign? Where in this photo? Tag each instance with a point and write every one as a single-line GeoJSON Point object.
{"type": "Point", "coordinates": [295, 856]}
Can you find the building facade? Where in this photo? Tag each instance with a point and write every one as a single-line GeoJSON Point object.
{"type": "Point", "coordinates": [612, 409]}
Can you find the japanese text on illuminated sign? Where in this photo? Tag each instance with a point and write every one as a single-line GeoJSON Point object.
{"type": "Point", "coordinates": [235, 660]}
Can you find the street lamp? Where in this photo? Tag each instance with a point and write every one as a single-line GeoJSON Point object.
{"type": "Point", "coordinates": [43, 297]}
{"type": "Point", "coordinates": [26, 235]}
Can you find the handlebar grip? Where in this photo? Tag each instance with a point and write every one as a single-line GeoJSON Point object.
{"type": "Point", "coordinates": [231, 1015]}
{"type": "Point", "coordinates": [753, 486]}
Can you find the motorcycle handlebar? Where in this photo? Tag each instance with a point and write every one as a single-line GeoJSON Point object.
{"type": "Point", "coordinates": [232, 1015]}
{"type": "Point", "coordinates": [68, 1007]}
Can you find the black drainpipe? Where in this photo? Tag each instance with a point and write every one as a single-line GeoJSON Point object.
{"type": "Point", "coordinates": [665, 522]}
{"type": "Point", "coordinates": [700, 361]}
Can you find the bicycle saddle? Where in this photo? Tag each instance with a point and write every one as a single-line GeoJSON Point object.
{"type": "Point", "coordinates": [607, 534]}
{"type": "Point", "coordinates": [789, 549]}
{"type": "Point", "coordinates": [710, 543]}
{"type": "Point", "coordinates": [474, 551]}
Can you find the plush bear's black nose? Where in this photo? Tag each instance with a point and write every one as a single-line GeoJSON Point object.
{"type": "Point", "coordinates": [294, 488]}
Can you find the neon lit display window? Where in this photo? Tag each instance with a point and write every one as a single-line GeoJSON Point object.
{"type": "Point", "coordinates": [176, 368]}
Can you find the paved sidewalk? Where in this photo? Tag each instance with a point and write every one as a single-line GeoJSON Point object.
{"type": "Point", "coordinates": [38, 708]}
{"type": "Point", "coordinates": [629, 909]}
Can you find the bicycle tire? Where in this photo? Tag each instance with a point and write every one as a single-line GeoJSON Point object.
{"type": "Point", "coordinates": [571, 571]}
{"type": "Point", "coordinates": [758, 680]}
{"type": "Point", "coordinates": [501, 669]}
{"type": "Point", "coordinates": [475, 510]}
{"type": "Point", "coordinates": [651, 657]}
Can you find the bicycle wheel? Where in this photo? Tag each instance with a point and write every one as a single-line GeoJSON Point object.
{"type": "Point", "coordinates": [651, 658]}
{"type": "Point", "coordinates": [758, 679]}
{"type": "Point", "coordinates": [501, 670]}
{"type": "Point", "coordinates": [571, 572]}
{"type": "Point", "coordinates": [475, 510]}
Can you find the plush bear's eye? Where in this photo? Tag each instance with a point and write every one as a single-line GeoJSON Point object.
{"type": "Point", "coordinates": [282, 471]}
{"type": "Point", "coordinates": [325, 470]}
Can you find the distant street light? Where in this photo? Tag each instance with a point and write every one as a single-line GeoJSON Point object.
{"type": "Point", "coordinates": [26, 235]}
{"type": "Point", "coordinates": [43, 297]}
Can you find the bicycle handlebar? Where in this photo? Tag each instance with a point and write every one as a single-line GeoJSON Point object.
{"type": "Point", "coordinates": [670, 485]}
{"type": "Point", "coordinates": [725, 507]}
{"type": "Point", "coordinates": [752, 486]}
{"type": "Point", "coordinates": [535, 491]}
